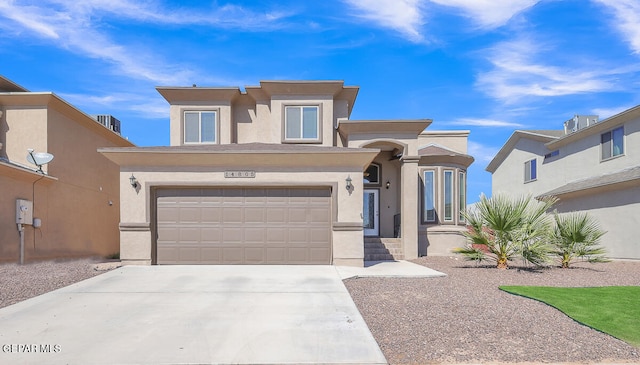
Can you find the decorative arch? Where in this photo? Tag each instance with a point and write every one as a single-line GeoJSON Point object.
{"type": "Point", "coordinates": [386, 144]}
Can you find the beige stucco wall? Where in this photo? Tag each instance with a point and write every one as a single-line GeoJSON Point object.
{"type": "Point", "coordinates": [247, 121]}
{"type": "Point", "coordinates": [454, 140]}
{"type": "Point", "coordinates": [17, 188]}
{"type": "Point", "coordinates": [137, 205]}
{"type": "Point", "coordinates": [617, 213]}
{"type": "Point", "coordinates": [225, 129]}
{"type": "Point", "coordinates": [79, 207]}
{"type": "Point", "coordinates": [21, 128]}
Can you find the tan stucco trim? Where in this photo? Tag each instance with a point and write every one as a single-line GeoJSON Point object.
{"type": "Point", "coordinates": [177, 95]}
{"type": "Point", "coordinates": [49, 99]}
{"type": "Point", "coordinates": [134, 226]}
{"type": "Point", "coordinates": [462, 160]}
{"type": "Point", "coordinates": [238, 159]}
{"type": "Point", "coordinates": [452, 133]}
{"type": "Point", "coordinates": [22, 173]}
{"type": "Point", "coordinates": [347, 226]}
{"type": "Point", "coordinates": [385, 127]}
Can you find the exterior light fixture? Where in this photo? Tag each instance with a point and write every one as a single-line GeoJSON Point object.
{"type": "Point", "coordinates": [388, 184]}
{"type": "Point", "coordinates": [349, 185]}
{"type": "Point", "coordinates": [133, 181]}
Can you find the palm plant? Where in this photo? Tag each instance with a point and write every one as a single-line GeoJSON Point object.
{"type": "Point", "coordinates": [576, 235]}
{"type": "Point", "coordinates": [508, 228]}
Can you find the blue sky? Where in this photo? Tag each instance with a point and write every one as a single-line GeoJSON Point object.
{"type": "Point", "coordinates": [488, 66]}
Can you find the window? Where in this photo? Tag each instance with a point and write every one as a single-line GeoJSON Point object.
{"type": "Point", "coordinates": [200, 127]}
{"type": "Point", "coordinates": [429, 209]}
{"type": "Point", "coordinates": [372, 175]}
{"type": "Point", "coordinates": [462, 194]}
{"type": "Point", "coordinates": [612, 143]}
{"type": "Point", "coordinates": [448, 195]}
{"type": "Point", "coordinates": [530, 170]}
{"type": "Point", "coordinates": [552, 154]}
{"type": "Point", "coordinates": [301, 123]}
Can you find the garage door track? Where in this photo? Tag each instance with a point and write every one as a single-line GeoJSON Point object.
{"type": "Point", "coordinates": [192, 315]}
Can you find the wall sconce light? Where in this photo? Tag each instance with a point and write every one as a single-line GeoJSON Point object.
{"type": "Point", "coordinates": [388, 184]}
{"type": "Point", "coordinates": [349, 185]}
{"type": "Point", "coordinates": [133, 181]}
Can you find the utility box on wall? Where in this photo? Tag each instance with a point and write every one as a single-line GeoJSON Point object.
{"type": "Point", "coordinates": [24, 211]}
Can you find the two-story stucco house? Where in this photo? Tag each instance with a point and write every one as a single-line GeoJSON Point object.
{"type": "Point", "coordinates": [279, 174]}
{"type": "Point", "coordinates": [74, 199]}
{"type": "Point", "coordinates": [591, 166]}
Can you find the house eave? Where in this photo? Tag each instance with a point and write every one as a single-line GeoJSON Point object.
{"type": "Point", "coordinates": [414, 127]}
{"type": "Point", "coordinates": [264, 158]}
{"type": "Point", "coordinates": [511, 143]}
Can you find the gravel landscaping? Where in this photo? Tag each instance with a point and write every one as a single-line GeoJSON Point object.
{"type": "Point", "coordinates": [460, 318]}
{"type": "Point", "coordinates": [20, 282]}
{"type": "Point", "coordinates": [465, 318]}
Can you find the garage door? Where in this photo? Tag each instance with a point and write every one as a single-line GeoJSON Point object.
{"type": "Point", "coordinates": [244, 226]}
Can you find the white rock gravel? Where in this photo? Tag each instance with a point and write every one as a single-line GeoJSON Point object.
{"type": "Point", "coordinates": [465, 318]}
{"type": "Point", "coordinates": [20, 282]}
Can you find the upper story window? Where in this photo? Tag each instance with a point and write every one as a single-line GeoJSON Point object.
{"type": "Point", "coordinates": [530, 170]}
{"type": "Point", "coordinates": [301, 123]}
{"type": "Point", "coordinates": [200, 127]}
{"type": "Point", "coordinates": [612, 143]}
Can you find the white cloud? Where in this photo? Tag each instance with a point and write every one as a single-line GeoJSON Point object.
{"type": "Point", "coordinates": [403, 16]}
{"type": "Point", "coordinates": [604, 113]}
{"type": "Point", "coordinates": [516, 73]}
{"type": "Point", "coordinates": [78, 27]}
{"type": "Point", "coordinates": [476, 122]}
{"type": "Point", "coordinates": [627, 19]}
{"type": "Point", "coordinates": [481, 152]}
{"type": "Point", "coordinates": [489, 13]}
{"type": "Point", "coordinates": [144, 105]}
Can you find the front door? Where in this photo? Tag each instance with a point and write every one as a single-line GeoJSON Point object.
{"type": "Point", "coordinates": [371, 213]}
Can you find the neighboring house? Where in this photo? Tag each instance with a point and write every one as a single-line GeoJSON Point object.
{"type": "Point", "coordinates": [278, 174]}
{"type": "Point", "coordinates": [75, 197]}
{"type": "Point", "coordinates": [591, 166]}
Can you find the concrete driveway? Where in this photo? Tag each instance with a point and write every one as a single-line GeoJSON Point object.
{"type": "Point", "coordinates": [192, 315]}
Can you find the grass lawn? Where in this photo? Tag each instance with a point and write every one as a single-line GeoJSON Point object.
{"type": "Point", "coordinates": [614, 310]}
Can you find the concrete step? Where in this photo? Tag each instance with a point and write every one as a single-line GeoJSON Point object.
{"type": "Point", "coordinates": [393, 251]}
{"type": "Point", "coordinates": [382, 257]}
{"type": "Point", "coordinates": [386, 243]}
{"type": "Point", "coordinates": [382, 248]}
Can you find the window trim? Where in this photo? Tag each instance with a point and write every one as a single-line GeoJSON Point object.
{"type": "Point", "coordinates": [527, 168]}
{"type": "Point", "coordinates": [216, 126]}
{"type": "Point", "coordinates": [611, 151]}
{"type": "Point", "coordinates": [318, 108]}
{"type": "Point", "coordinates": [425, 217]}
{"type": "Point", "coordinates": [444, 196]}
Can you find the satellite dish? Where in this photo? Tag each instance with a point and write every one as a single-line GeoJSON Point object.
{"type": "Point", "coordinates": [39, 158]}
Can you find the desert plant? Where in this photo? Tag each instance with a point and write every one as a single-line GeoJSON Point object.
{"type": "Point", "coordinates": [508, 228]}
{"type": "Point", "coordinates": [577, 235]}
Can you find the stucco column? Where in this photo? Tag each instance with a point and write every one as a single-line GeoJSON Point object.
{"type": "Point", "coordinates": [410, 201]}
